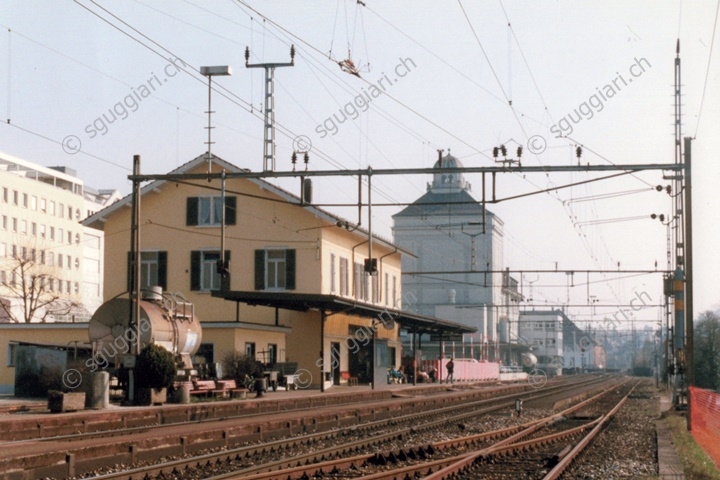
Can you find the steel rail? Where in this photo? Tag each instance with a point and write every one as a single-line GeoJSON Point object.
{"type": "Point", "coordinates": [323, 454]}
{"type": "Point", "coordinates": [568, 459]}
{"type": "Point", "coordinates": [315, 468]}
{"type": "Point", "coordinates": [498, 449]}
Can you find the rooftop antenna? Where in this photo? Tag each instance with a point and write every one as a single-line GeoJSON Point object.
{"type": "Point", "coordinates": [222, 70]}
{"type": "Point", "coordinates": [269, 149]}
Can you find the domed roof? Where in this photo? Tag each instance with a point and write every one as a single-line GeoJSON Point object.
{"type": "Point", "coordinates": [448, 161]}
{"type": "Point", "coordinates": [448, 182]}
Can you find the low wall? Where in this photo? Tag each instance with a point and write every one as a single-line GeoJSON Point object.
{"type": "Point", "coordinates": [513, 377]}
{"type": "Point", "coordinates": [464, 370]}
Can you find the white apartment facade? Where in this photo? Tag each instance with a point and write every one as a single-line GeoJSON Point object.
{"type": "Point", "coordinates": [40, 223]}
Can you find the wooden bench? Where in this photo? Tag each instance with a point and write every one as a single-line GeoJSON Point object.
{"type": "Point", "coordinates": [206, 388]}
{"type": "Point", "coordinates": [348, 379]}
{"type": "Point", "coordinates": [230, 386]}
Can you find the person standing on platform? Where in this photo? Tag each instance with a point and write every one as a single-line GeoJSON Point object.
{"type": "Point", "coordinates": [450, 369]}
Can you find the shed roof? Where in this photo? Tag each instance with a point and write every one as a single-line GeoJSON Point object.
{"type": "Point", "coordinates": [303, 302]}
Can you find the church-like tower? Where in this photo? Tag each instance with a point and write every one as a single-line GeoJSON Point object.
{"type": "Point", "coordinates": [456, 245]}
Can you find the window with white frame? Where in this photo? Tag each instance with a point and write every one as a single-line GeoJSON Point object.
{"type": "Point", "coordinates": [394, 293]}
{"type": "Point", "coordinates": [207, 211]}
{"type": "Point", "coordinates": [204, 274]}
{"type": "Point", "coordinates": [344, 277]}
{"type": "Point", "coordinates": [361, 282]}
{"type": "Point", "coordinates": [332, 273]}
{"type": "Point", "coordinates": [153, 269]}
{"type": "Point", "coordinates": [387, 288]}
{"type": "Point", "coordinates": [275, 269]}
{"type": "Point", "coordinates": [11, 354]}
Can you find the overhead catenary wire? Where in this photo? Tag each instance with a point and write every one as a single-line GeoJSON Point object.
{"type": "Point", "coordinates": [707, 71]}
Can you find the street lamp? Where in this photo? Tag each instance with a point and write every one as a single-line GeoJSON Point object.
{"type": "Point", "coordinates": [216, 71]}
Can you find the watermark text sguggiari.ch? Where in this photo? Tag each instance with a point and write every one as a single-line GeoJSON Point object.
{"type": "Point", "coordinates": [123, 108]}
{"type": "Point", "coordinates": [596, 102]}
{"type": "Point", "coordinates": [363, 99]}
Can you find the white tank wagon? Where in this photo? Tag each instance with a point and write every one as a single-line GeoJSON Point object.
{"type": "Point", "coordinates": [529, 360]}
{"type": "Point", "coordinates": [165, 320]}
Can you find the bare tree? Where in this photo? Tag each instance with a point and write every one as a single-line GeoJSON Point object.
{"type": "Point", "coordinates": [31, 287]}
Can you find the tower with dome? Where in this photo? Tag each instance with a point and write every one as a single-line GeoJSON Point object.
{"type": "Point", "coordinates": [457, 272]}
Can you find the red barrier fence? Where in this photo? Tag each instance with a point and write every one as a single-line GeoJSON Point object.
{"type": "Point", "coordinates": [705, 421]}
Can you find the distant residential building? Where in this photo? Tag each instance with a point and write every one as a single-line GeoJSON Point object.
{"type": "Point", "coordinates": [41, 212]}
{"type": "Point", "coordinates": [456, 243]}
{"type": "Point", "coordinates": [543, 331]}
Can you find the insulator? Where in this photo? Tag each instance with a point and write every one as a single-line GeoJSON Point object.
{"type": "Point", "coordinates": [578, 152]}
{"type": "Point", "coordinates": [519, 151]}
{"type": "Point", "coordinates": [503, 150]}
{"type": "Point", "coordinates": [495, 152]}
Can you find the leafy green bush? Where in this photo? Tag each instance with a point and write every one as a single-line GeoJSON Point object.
{"type": "Point", "coordinates": [155, 367]}
{"type": "Point", "coordinates": [236, 365]}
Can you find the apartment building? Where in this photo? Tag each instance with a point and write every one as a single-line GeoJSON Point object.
{"type": "Point", "coordinates": [40, 228]}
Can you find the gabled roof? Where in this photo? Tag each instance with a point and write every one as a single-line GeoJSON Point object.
{"type": "Point", "coordinates": [98, 219]}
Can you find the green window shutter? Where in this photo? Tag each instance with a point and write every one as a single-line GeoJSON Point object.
{"type": "Point", "coordinates": [195, 258]}
{"type": "Point", "coordinates": [259, 269]}
{"type": "Point", "coordinates": [162, 270]}
{"type": "Point", "coordinates": [191, 213]}
{"type": "Point", "coordinates": [290, 269]}
{"type": "Point", "coordinates": [230, 210]}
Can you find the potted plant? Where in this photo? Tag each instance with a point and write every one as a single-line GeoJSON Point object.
{"type": "Point", "coordinates": [155, 371]}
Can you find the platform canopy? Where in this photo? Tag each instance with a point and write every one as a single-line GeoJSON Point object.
{"type": "Point", "coordinates": [331, 304]}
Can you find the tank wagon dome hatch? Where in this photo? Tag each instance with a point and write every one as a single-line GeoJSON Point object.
{"type": "Point", "coordinates": [164, 321]}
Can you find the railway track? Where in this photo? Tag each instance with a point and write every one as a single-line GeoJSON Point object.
{"type": "Point", "coordinates": [434, 460]}
{"type": "Point", "coordinates": [358, 444]}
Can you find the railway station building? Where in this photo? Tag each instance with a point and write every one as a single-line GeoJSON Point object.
{"type": "Point", "coordinates": [297, 289]}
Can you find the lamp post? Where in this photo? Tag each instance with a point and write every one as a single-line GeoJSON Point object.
{"type": "Point", "coordinates": [216, 71]}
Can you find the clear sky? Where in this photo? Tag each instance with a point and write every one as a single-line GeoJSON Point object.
{"type": "Point", "coordinates": [116, 78]}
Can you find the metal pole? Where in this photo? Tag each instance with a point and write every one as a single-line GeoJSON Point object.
{"type": "Point", "coordinates": [209, 127]}
{"type": "Point", "coordinates": [322, 351]}
{"type": "Point", "coordinates": [135, 275]}
{"type": "Point", "coordinates": [222, 220]}
{"type": "Point", "coordinates": [370, 242]}
{"type": "Point", "coordinates": [689, 272]}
